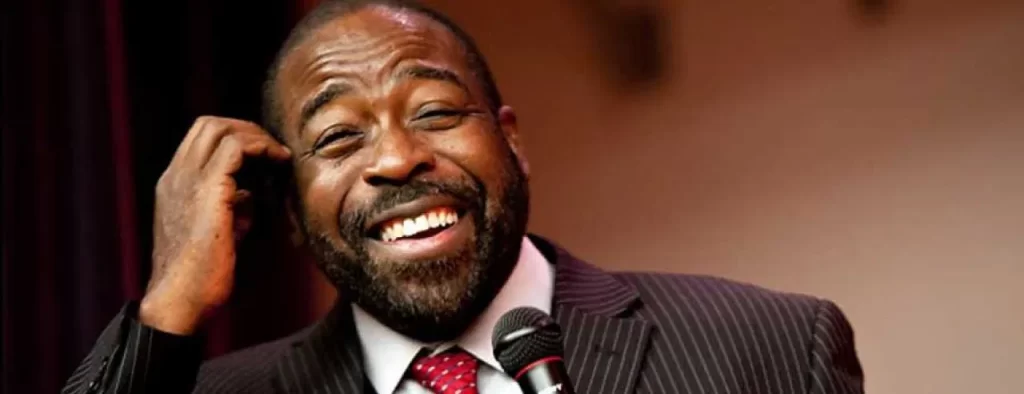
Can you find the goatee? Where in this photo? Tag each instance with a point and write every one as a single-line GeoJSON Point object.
{"type": "Point", "coordinates": [432, 300]}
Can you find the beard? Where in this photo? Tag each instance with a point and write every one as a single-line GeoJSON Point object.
{"type": "Point", "coordinates": [433, 300]}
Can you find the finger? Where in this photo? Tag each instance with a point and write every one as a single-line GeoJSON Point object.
{"type": "Point", "coordinates": [208, 138]}
{"type": "Point", "coordinates": [181, 154]}
{"type": "Point", "coordinates": [246, 129]}
{"type": "Point", "coordinates": [249, 128]}
{"type": "Point", "coordinates": [234, 148]}
{"type": "Point", "coordinates": [259, 145]}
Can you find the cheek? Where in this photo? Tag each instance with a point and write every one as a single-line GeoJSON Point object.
{"type": "Point", "coordinates": [322, 188]}
{"type": "Point", "coordinates": [481, 153]}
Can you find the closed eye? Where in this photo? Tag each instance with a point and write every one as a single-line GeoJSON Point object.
{"type": "Point", "coordinates": [438, 113]}
{"type": "Point", "coordinates": [438, 119]}
{"type": "Point", "coordinates": [335, 136]}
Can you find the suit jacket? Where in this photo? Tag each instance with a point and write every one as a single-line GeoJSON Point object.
{"type": "Point", "coordinates": [624, 333]}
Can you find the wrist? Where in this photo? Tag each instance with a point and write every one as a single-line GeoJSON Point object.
{"type": "Point", "coordinates": [169, 315]}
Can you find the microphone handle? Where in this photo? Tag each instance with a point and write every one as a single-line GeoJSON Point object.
{"type": "Point", "coordinates": [546, 378]}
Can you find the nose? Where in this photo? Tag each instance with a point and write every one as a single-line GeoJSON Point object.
{"type": "Point", "coordinates": [398, 157]}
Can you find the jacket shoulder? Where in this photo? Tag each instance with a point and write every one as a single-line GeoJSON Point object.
{"type": "Point", "coordinates": [725, 303]}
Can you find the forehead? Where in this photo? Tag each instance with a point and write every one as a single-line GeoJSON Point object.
{"type": "Point", "coordinates": [365, 48]}
{"type": "Point", "coordinates": [370, 42]}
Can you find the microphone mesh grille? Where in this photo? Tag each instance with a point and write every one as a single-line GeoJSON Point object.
{"type": "Point", "coordinates": [545, 342]}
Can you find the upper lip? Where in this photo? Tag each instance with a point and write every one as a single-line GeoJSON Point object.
{"type": "Point", "coordinates": [413, 208]}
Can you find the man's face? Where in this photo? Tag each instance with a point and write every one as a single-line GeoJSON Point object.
{"type": "Point", "coordinates": [412, 192]}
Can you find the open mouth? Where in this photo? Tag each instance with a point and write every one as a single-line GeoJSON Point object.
{"type": "Point", "coordinates": [421, 218]}
{"type": "Point", "coordinates": [423, 225]}
{"type": "Point", "coordinates": [430, 227]}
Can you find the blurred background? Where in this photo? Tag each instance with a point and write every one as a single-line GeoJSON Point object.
{"type": "Point", "coordinates": [866, 151]}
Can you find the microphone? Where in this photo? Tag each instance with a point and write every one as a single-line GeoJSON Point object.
{"type": "Point", "coordinates": [528, 345]}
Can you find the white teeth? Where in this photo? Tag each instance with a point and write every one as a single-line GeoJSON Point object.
{"type": "Point", "coordinates": [435, 218]}
{"type": "Point", "coordinates": [409, 227]}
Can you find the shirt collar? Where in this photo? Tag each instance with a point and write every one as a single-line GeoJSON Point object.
{"type": "Point", "coordinates": [387, 354]}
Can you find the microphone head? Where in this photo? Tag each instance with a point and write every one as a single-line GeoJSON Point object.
{"type": "Point", "coordinates": [523, 336]}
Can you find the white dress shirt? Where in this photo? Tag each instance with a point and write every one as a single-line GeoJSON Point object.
{"type": "Point", "coordinates": [388, 354]}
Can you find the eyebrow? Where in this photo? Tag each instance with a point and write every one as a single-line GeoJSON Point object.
{"type": "Point", "coordinates": [432, 73]}
{"type": "Point", "coordinates": [339, 89]}
{"type": "Point", "coordinates": [321, 99]}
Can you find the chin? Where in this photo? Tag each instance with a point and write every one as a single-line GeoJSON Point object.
{"type": "Point", "coordinates": [427, 313]}
{"type": "Point", "coordinates": [439, 294]}
{"type": "Point", "coordinates": [428, 301]}
{"type": "Point", "coordinates": [432, 299]}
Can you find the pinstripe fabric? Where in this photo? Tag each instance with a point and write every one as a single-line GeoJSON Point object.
{"type": "Point", "coordinates": [95, 364]}
{"type": "Point", "coordinates": [624, 333]}
{"type": "Point", "coordinates": [126, 359]}
{"type": "Point", "coordinates": [717, 336]}
{"type": "Point", "coordinates": [662, 333]}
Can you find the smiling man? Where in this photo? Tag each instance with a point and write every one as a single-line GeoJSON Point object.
{"type": "Point", "coordinates": [411, 188]}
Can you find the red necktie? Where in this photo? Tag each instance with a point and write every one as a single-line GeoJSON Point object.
{"type": "Point", "coordinates": [450, 372]}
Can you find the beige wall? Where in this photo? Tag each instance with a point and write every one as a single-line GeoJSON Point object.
{"type": "Point", "coordinates": [881, 167]}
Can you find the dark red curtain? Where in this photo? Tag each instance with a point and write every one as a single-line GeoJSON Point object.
{"type": "Point", "coordinates": [96, 96]}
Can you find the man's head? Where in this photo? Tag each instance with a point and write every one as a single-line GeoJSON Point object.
{"type": "Point", "coordinates": [411, 188]}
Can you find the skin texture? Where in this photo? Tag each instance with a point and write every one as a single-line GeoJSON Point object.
{"type": "Point", "coordinates": [195, 223]}
{"type": "Point", "coordinates": [379, 108]}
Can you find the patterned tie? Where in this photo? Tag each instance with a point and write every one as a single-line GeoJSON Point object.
{"type": "Point", "coordinates": [450, 372]}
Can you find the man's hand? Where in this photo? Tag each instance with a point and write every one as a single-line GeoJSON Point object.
{"type": "Point", "coordinates": [196, 223]}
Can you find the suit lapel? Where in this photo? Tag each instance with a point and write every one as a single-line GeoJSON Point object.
{"type": "Point", "coordinates": [604, 346]}
{"type": "Point", "coordinates": [329, 360]}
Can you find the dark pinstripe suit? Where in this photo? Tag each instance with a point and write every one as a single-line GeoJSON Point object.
{"type": "Point", "coordinates": [625, 333]}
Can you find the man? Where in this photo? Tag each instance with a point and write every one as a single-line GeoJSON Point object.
{"type": "Point", "coordinates": [411, 189]}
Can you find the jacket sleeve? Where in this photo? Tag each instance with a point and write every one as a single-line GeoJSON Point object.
{"type": "Point", "coordinates": [835, 367]}
{"type": "Point", "coordinates": [130, 357]}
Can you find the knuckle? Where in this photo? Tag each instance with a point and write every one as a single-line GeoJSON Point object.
{"type": "Point", "coordinates": [203, 119]}
{"type": "Point", "coordinates": [201, 122]}
{"type": "Point", "coordinates": [161, 183]}
{"type": "Point", "coordinates": [227, 182]}
{"type": "Point", "coordinates": [230, 142]}
{"type": "Point", "coordinates": [260, 144]}
{"type": "Point", "coordinates": [207, 123]}
{"type": "Point", "coordinates": [218, 126]}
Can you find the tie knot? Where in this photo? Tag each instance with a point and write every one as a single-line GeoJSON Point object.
{"type": "Point", "coordinates": [450, 372]}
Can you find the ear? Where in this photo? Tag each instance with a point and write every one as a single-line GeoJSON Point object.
{"type": "Point", "coordinates": [510, 128]}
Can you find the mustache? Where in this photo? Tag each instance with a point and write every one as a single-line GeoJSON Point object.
{"type": "Point", "coordinates": [464, 191]}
